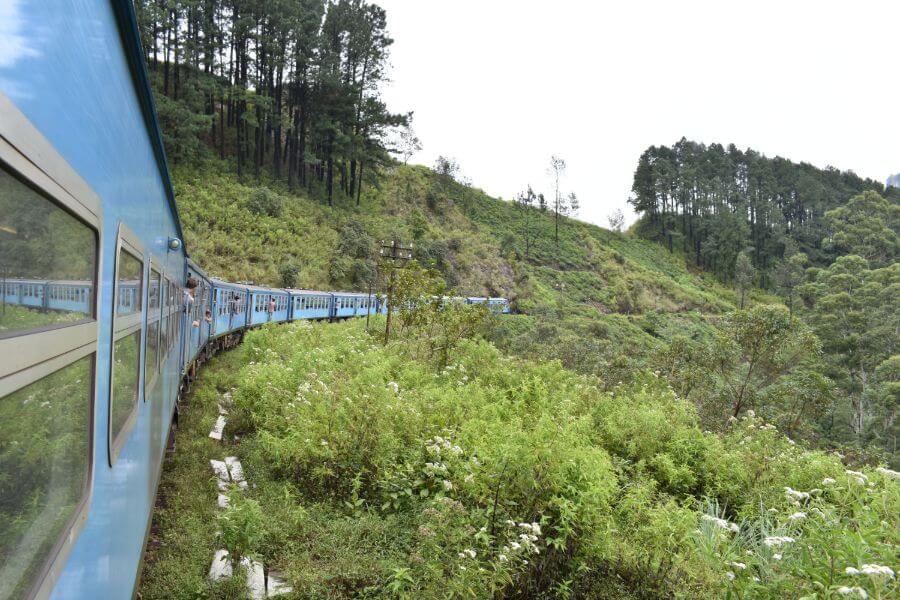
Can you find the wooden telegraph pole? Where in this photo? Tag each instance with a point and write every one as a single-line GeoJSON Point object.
{"type": "Point", "coordinates": [396, 255]}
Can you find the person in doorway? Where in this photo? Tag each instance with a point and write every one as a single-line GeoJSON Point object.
{"type": "Point", "coordinates": [271, 307]}
{"type": "Point", "coordinates": [190, 287]}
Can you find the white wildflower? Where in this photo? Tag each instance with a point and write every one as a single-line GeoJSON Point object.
{"type": "Point", "coordinates": [393, 386]}
{"type": "Point", "coordinates": [777, 540]}
{"type": "Point", "coordinates": [797, 495]}
{"type": "Point", "coordinates": [730, 576]}
{"type": "Point", "coordinates": [751, 413]}
{"type": "Point", "coordinates": [889, 473]}
{"type": "Point", "coordinates": [737, 565]}
{"type": "Point", "coordinates": [797, 516]}
{"type": "Point", "coordinates": [829, 481]}
{"type": "Point", "coordinates": [470, 553]}
{"type": "Point", "coordinates": [502, 558]}
{"type": "Point", "coordinates": [448, 486]}
{"type": "Point", "coordinates": [852, 591]}
{"type": "Point", "coordinates": [721, 523]}
{"type": "Point", "coordinates": [777, 556]}
{"type": "Point", "coordinates": [877, 570]}
{"type": "Point", "coordinates": [851, 571]}
{"type": "Point", "coordinates": [515, 545]}
{"type": "Point", "coordinates": [860, 478]}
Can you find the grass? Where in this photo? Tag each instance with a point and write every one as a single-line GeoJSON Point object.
{"type": "Point", "coordinates": [184, 532]}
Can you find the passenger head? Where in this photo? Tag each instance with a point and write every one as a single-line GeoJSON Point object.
{"type": "Point", "coordinates": [191, 283]}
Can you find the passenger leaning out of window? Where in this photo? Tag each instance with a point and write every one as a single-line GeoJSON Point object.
{"type": "Point", "coordinates": [190, 287]}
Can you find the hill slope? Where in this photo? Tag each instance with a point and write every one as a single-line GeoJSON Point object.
{"type": "Point", "coordinates": [612, 297]}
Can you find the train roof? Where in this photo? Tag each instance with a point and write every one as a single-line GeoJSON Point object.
{"type": "Point", "coordinates": [222, 283]}
{"type": "Point", "coordinates": [262, 288]}
{"type": "Point", "coordinates": [353, 294]}
{"type": "Point", "coordinates": [301, 291]}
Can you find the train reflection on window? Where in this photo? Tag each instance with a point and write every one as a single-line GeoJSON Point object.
{"type": "Point", "coordinates": [151, 354]}
{"type": "Point", "coordinates": [126, 350]}
{"type": "Point", "coordinates": [131, 271]}
{"type": "Point", "coordinates": [47, 261]}
{"type": "Point", "coordinates": [44, 453]}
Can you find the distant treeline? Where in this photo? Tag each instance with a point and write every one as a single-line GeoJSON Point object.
{"type": "Point", "coordinates": [288, 86]}
{"type": "Point", "coordinates": [716, 202]}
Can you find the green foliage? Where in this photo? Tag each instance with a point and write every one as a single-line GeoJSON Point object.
{"type": "Point", "coordinates": [866, 226]}
{"type": "Point", "coordinates": [289, 274]}
{"type": "Point", "coordinates": [415, 480]}
{"type": "Point", "coordinates": [855, 312]}
{"type": "Point", "coordinates": [242, 524]}
{"type": "Point", "coordinates": [744, 275]}
{"type": "Point", "coordinates": [715, 201]}
{"type": "Point", "coordinates": [265, 202]}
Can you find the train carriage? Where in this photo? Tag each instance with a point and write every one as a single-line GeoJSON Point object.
{"type": "Point", "coordinates": [259, 305]}
{"type": "Point", "coordinates": [310, 304]}
{"type": "Point", "coordinates": [229, 307]}
{"type": "Point", "coordinates": [73, 297]}
{"type": "Point", "coordinates": [348, 304]}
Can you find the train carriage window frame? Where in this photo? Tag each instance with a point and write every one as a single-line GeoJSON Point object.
{"type": "Point", "coordinates": [154, 315]}
{"type": "Point", "coordinates": [34, 354]}
{"type": "Point", "coordinates": [124, 326]}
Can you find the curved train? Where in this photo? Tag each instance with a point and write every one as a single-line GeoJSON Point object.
{"type": "Point", "coordinates": [97, 335]}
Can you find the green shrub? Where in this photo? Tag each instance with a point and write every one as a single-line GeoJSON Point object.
{"type": "Point", "coordinates": [265, 202]}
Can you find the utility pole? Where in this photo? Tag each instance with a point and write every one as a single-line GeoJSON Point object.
{"type": "Point", "coordinates": [369, 299]}
{"type": "Point", "coordinates": [398, 255]}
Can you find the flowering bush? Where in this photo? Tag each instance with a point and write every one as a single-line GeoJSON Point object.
{"type": "Point", "coordinates": [488, 476]}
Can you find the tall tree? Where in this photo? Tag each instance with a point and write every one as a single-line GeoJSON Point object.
{"type": "Point", "coordinates": [556, 170]}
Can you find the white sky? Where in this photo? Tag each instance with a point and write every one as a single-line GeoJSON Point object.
{"type": "Point", "coordinates": [502, 84]}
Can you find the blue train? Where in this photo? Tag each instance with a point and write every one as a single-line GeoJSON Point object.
{"type": "Point", "coordinates": [98, 335]}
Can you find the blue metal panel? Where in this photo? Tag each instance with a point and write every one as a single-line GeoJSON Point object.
{"type": "Point", "coordinates": [258, 306]}
{"type": "Point", "coordinates": [229, 308]}
{"type": "Point", "coordinates": [308, 304]}
{"type": "Point", "coordinates": [65, 68]}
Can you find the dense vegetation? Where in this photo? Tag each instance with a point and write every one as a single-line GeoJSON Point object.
{"type": "Point", "coordinates": [384, 471]}
{"type": "Point", "coordinates": [290, 88]}
{"type": "Point", "coordinates": [827, 241]}
{"type": "Point", "coordinates": [716, 202]}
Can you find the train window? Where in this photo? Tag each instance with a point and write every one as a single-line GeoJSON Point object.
{"type": "Point", "coordinates": [125, 363]}
{"type": "Point", "coordinates": [151, 352]}
{"type": "Point", "coordinates": [164, 320]}
{"type": "Point", "coordinates": [45, 458]}
{"type": "Point", "coordinates": [31, 225]}
{"type": "Point", "coordinates": [131, 270]}
{"type": "Point", "coordinates": [126, 370]}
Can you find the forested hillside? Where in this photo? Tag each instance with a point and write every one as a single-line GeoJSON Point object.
{"type": "Point", "coordinates": [289, 88]}
{"type": "Point", "coordinates": [716, 202]}
{"type": "Point", "coordinates": [828, 242]}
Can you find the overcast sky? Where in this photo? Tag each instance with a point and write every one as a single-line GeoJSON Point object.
{"type": "Point", "coordinates": [502, 84]}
